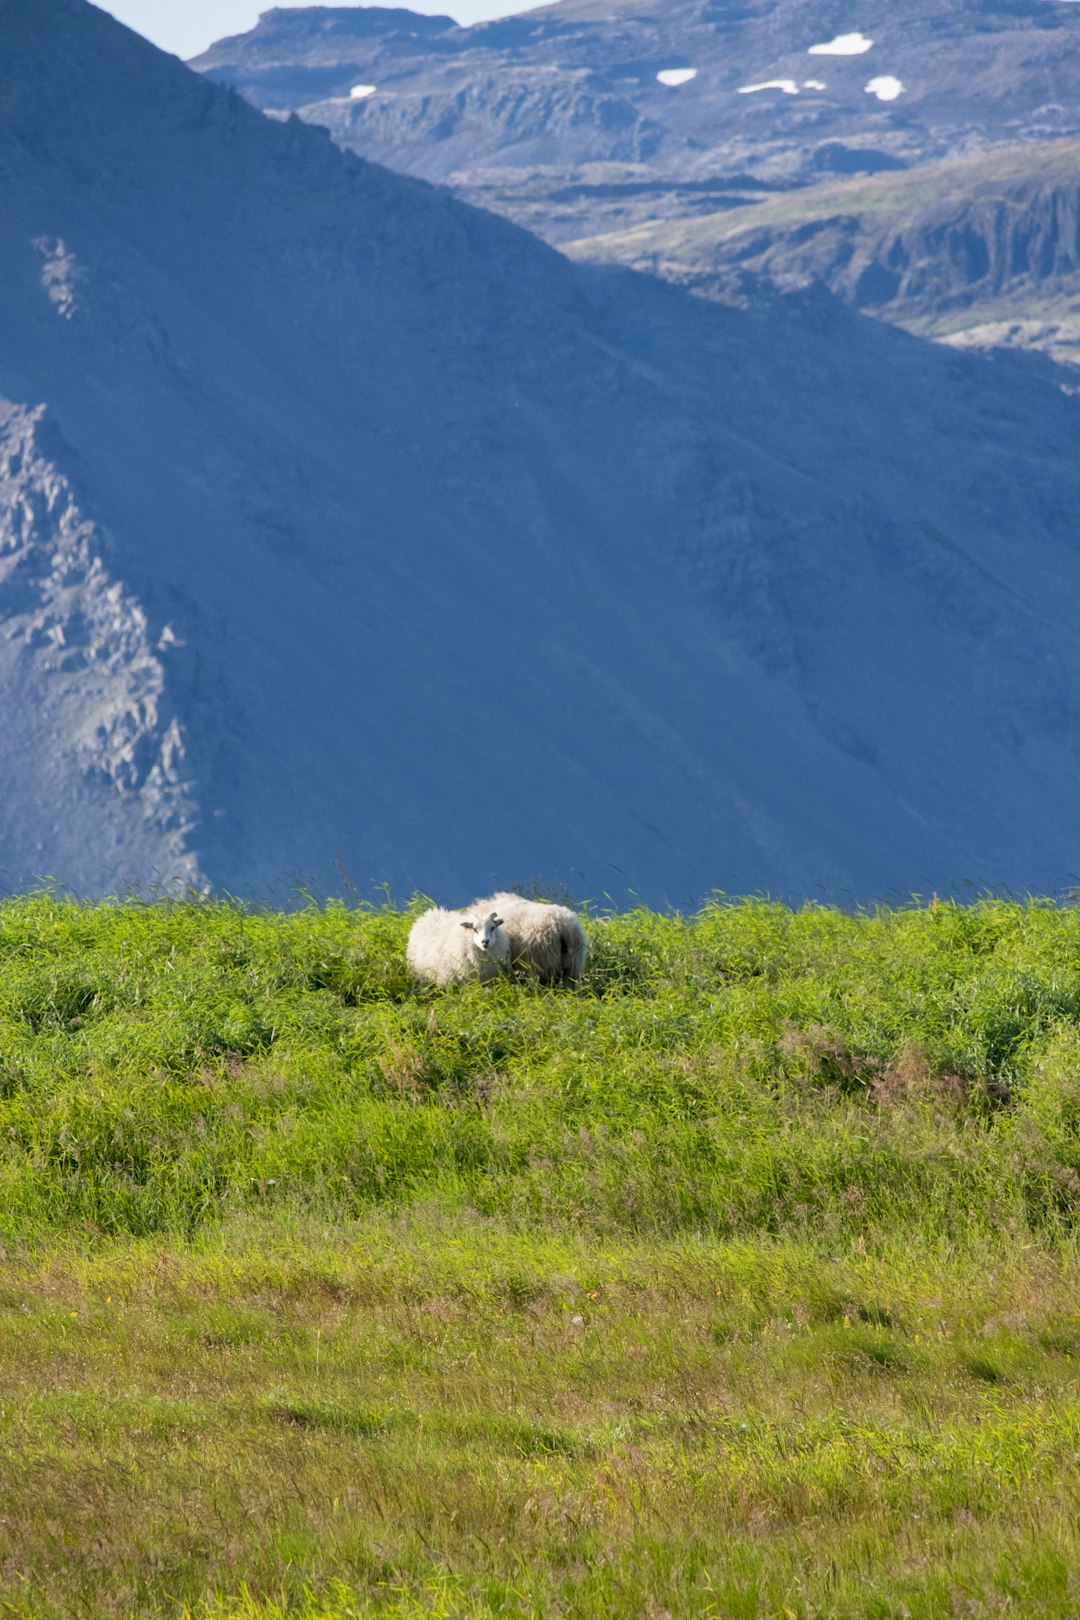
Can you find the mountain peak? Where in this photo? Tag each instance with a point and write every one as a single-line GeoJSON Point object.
{"type": "Point", "coordinates": [363, 528]}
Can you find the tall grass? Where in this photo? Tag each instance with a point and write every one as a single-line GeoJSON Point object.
{"type": "Point", "coordinates": [748, 1069]}
{"type": "Point", "coordinates": [740, 1280]}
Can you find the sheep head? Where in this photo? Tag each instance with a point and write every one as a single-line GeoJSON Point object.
{"type": "Point", "coordinates": [485, 931]}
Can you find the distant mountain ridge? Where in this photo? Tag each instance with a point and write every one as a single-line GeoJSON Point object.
{"type": "Point", "coordinates": [516, 112]}
{"type": "Point", "coordinates": [342, 521]}
{"type": "Point", "coordinates": [560, 118]}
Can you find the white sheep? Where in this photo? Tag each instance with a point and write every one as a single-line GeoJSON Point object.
{"type": "Point", "coordinates": [547, 940]}
{"type": "Point", "coordinates": [448, 947]}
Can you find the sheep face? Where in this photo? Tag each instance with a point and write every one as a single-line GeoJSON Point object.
{"type": "Point", "coordinates": [483, 933]}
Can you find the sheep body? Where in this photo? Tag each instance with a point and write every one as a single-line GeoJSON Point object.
{"type": "Point", "coordinates": [449, 947]}
{"type": "Point", "coordinates": [547, 940]}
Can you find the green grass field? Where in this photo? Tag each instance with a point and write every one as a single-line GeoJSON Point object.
{"type": "Point", "coordinates": [741, 1280]}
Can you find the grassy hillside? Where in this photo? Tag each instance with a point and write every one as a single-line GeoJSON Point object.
{"type": "Point", "coordinates": [981, 248]}
{"type": "Point", "coordinates": [741, 1280]}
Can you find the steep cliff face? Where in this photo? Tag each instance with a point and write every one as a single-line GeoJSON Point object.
{"type": "Point", "coordinates": [506, 119]}
{"type": "Point", "coordinates": [1031, 235]}
{"type": "Point", "coordinates": [359, 524]}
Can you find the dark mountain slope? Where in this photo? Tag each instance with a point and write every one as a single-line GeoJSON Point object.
{"type": "Point", "coordinates": [338, 518]}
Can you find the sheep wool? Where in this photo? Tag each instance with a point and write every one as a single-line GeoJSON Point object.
{"type": "Point", "coordinates": [547, 940]}
{"type": "Point", "coordinates": [449, 947]}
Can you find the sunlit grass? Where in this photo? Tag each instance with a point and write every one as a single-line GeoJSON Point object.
{"type": "Point", "coordinates": [739, 1281]}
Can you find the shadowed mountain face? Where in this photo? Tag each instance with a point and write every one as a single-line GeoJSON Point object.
{"type": "Point", "coordinates": [338, 519]}
{"type": "Point", "coordinates": [560, 117]}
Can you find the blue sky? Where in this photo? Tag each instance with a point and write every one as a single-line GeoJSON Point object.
{"type": "Point", "coordinates": [186, 27]}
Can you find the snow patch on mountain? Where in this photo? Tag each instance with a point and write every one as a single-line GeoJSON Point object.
{"type": "Point", "coordinates": [788, 86]}
{"type": "Point", "coordinates": [885, 87]}
{"type": "Point", "coordinates": [855, 44]}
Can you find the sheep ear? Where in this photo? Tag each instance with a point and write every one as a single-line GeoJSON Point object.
{"type": "Point", "coordinates": [496, 921]}
{"type": "Point", "coordinates": [467, 924]}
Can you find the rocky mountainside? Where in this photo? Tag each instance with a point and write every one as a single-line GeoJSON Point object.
{"type": "Point", "coordinates": [341, 521]}
{"type": "Point", "coordinates": [979, 250]}
{"type": "Point", "coordinates": [582, 117]}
